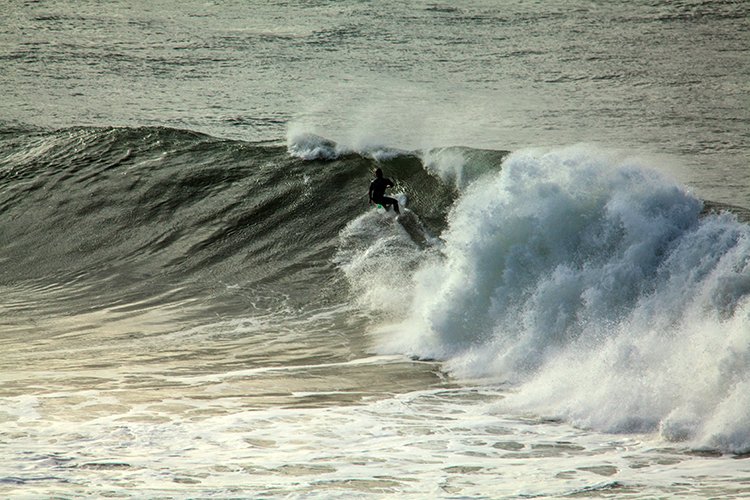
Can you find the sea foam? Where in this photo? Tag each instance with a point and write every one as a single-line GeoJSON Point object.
{"type": "Point", "coordinates": [598, 288]}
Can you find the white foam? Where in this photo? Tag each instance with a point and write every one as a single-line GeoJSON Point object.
{"type": "Point", "coordinates": [308, 146]}
{"type": "Point", "coordinates": [303, 142]}
{"type": "Point", "coordinates": [594, 284]}
{"type": "Point", "coordinates": [21, 408]}
{"type": "Point", "coordinates": [378, 257]}
{"type": "Point", "coordinates": [432, 443]}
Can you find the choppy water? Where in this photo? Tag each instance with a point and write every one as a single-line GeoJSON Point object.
{"type": "Point", "coordinates": [197, 300]}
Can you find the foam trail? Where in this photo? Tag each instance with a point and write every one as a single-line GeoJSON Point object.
{"type": "Point", "coordinates": [378, 256]}
{"type": "Point", "coordinates": [595, 285]}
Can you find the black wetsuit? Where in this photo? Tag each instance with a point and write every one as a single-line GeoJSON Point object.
{"type": "Point", "coordinates": [377, 193]}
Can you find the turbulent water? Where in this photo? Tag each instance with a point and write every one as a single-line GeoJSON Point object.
{"type": "Point", "coordinates": [198, 301]}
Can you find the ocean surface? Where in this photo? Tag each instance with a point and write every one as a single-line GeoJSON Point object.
{"type": "Point", "coordinates": [197, 300]}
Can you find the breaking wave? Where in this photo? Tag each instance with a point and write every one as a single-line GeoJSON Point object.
{"type": "Point", "coordinates": [602, 290]}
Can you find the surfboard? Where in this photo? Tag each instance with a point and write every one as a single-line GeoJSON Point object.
{"type": "Point", "coordinates": [410, 222]}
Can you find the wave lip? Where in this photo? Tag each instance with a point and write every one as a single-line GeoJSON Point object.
{"type": "Point", "coordinates": [307, 146]}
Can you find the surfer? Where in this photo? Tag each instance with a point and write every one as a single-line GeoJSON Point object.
{"type": "Point", "coordinates": [377, 191]}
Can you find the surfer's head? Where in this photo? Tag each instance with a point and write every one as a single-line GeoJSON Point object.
{"type": "Point", "coordinates": [378, 173]}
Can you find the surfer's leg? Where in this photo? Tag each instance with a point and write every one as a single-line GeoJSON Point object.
{"type": "Point", "coordinates": [387, 202]}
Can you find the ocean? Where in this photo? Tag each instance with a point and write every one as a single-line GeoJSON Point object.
{"type": "Point", "coordinates": [198, 301]}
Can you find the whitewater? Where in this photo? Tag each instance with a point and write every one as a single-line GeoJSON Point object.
{"type": "Point", "coordinates": [198, 301]}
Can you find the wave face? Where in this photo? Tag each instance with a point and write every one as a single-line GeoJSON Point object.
{"type": "Point", "coordinates": [131, 214]}
{"type": "Point", "coordinates": [149, 210]}
{"type": "Point", "coordinates": [598, 287]}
